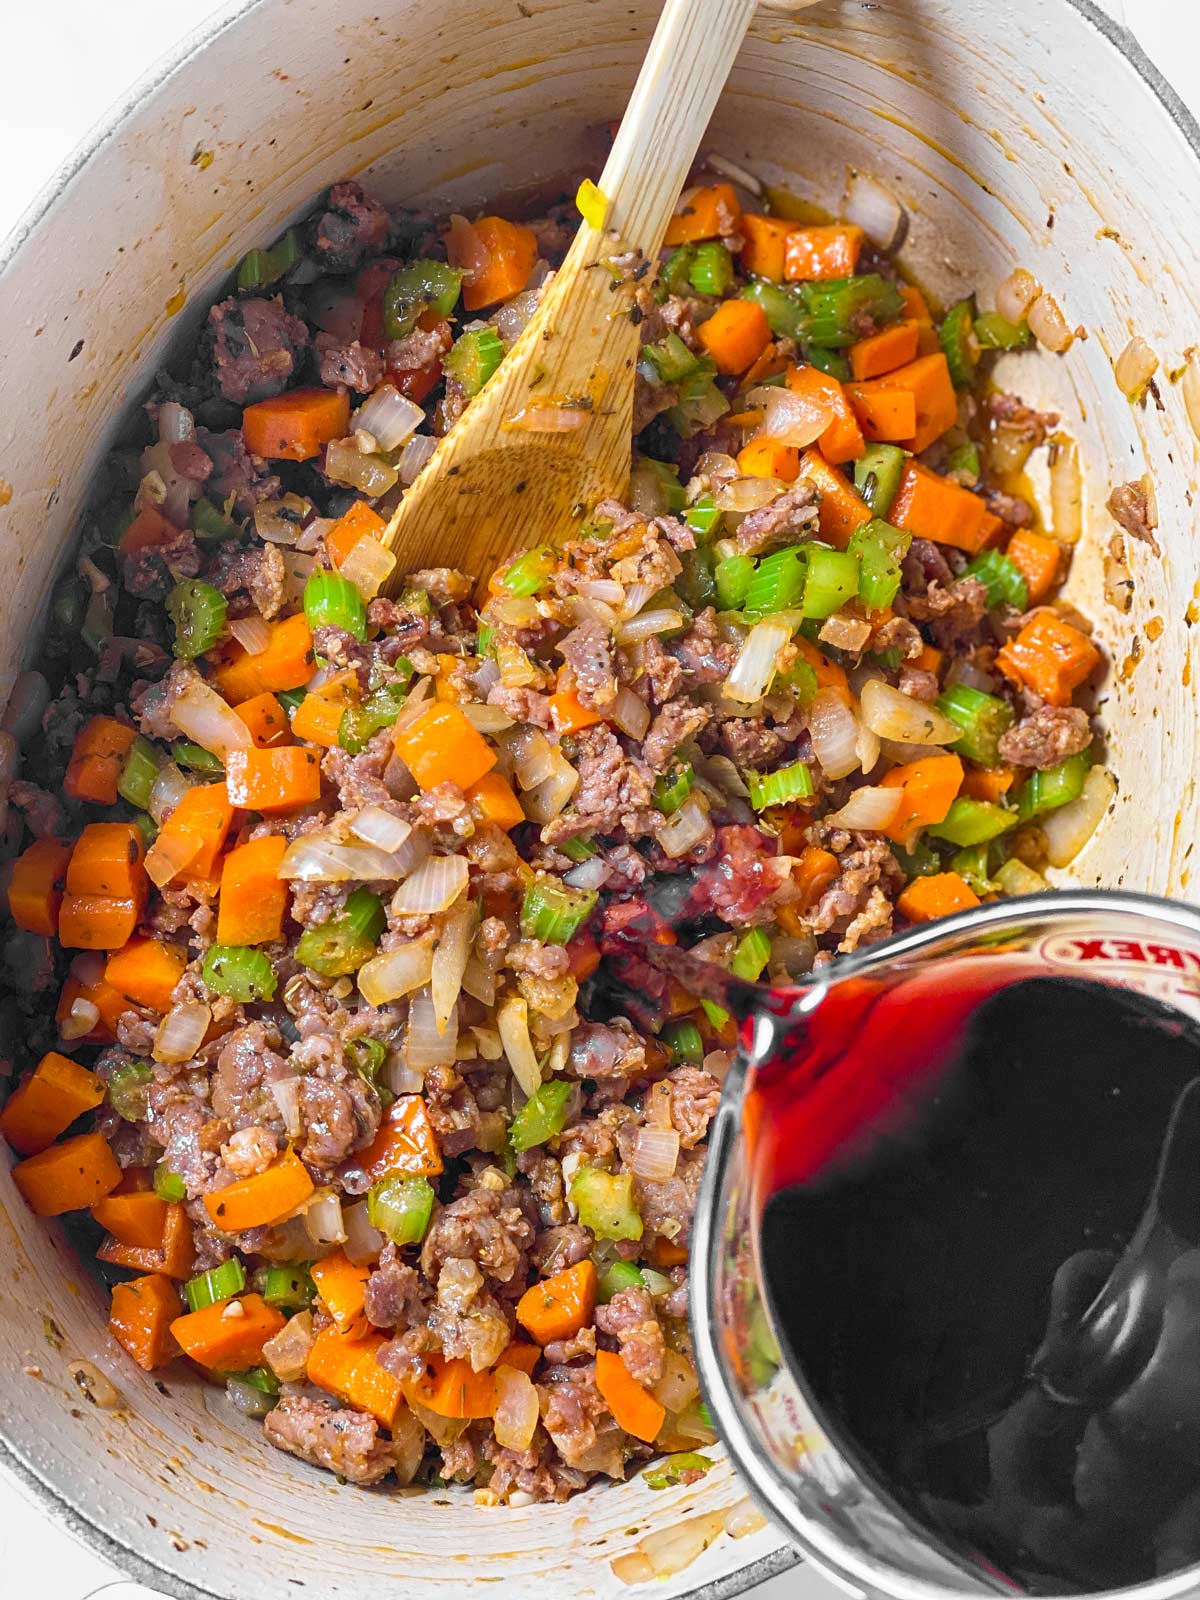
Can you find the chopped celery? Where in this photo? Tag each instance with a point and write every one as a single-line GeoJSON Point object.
{"type": "Point", "coordinates": [606, 1203]}
{"type": "Point", "coordinates": [701, 403]}
{"type": "Point", "coordinates": [208, 522]}
{"type": "Point", "coordinates": [196, 758]}
{"type": "Point", "coordinates": [260, 268]}
{"type": "Point", "coordinates": [366, 1056]}
{"type": "Point", "coordinates": [1001, 577]}
{"type": "Point", "coordinates": [695, 584]}
{"type": "Point", "coordinates": [778, 582]}
{"type": "Point", "coordinates": [973, 822]}
{"type": "Point", "coordinates": [138, 773]}
{"type": "Point", "coordinates": [660, 477]}
{"type": "Point", "coordinates": [672, 789]}
{"type": "Point", "coordinates": [168, 1185]}
{"type": "Point", "coordinates": [290, 1287]}
{"type": "Point", "coordinates": [541, 1117]}
{"type": "Point", "coordinates": [832, 578]}
{"type": "Point", "coordinates": [982, 718]}
{"type": "Point", "coordinates": [922, 861]}
{"type": "Point", "coordinates": [331, 601]}
{"type": "Point", "coordinates": [128, 1088]}
{"type": "Point", "coordinates": [529, 573]}
{"type": "Point", "coordinates": [964, 460]}
{"type": "Point", "coordinates": [711, 271]}
{"type": "Point", "coordinates": [782, 307]}
{"type": "Point", "coordinates": [751, 955]}
{"type": "Point", "coordinates": [261, 1378]}
{"type": "Point", "coordinates": [702, 517]}
{"type": "Point", "coordinates": [618, 1275]}
{"type": "Point", "coordinates": [483, 640]}
{"type": "Point", "coordinates": [685, 1466]}
{"type": "Point", "coordinates": [671, 359]}
{"type": "Point", "coordinates": [361, 722]}
{"type": "Point", "coordinates": [198, 612]}
{"type": "Point", "coordinates": [553, 913]}
{"type": "Point", "coordinates": [474, 358]}
{"type": "Point", "coordinates": [289, 699]}
{"type": "Point", "coordinates": [778, 788]}
{"type": "Point", "coordinates": [880, 548]}
{"type": "Point", "coordinates": [957, 336]}
{"type": "Point", "coordinates": [579, 849]}
{"type": "Point", "coordinates": [341, 945]}
{"type": "Point", "coordinates": [239, 972]}
{"type": "Point", "coordinates": [994, 332]}
{"type": "Point", "coordinates": [147, 827]}
{"type": "Point", "coordinates": [1046, 791]}
{"type": "Point", "coordinates": [684, 1040]}
{"type": "Point", "coordinates": [220, 1283]}
{"type": "Point", "coordinates": [733, 578]}
{"type": "Point", "coordinates": [401, 1208]}
{"type": "Point", "coordinates": [717, 1015]}
{"type": "Point", "coordinates": [832, 362]}
{"type": "Point", "coordinates": [838, 308]}
{"type": "Point", "coordinates": [419, 286]}
{"type": "Point", "coordinates": [971, 864]}
{"type": "Point", "coordinates": [657, 1282]}
{"type": "Point", "coordinates": [1014, 877]}
{"type": "Point", "coordinates": [801, 679]}
{"type": "Point", "coordinates": [877, 474]}
{"type": "Point", "coordinates": [675, 275]}
{"type": "Point", "coordinates": [417, 601]}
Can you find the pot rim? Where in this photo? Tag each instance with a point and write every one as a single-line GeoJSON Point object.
{"type": "Point", "coordinates": [60, 1509]}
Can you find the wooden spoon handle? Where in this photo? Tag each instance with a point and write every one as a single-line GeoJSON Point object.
{"type": "Point", "coordinates": [680, 83]}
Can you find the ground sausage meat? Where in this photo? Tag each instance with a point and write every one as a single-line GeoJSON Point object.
{"type": "Point", "coordinates": [346, 1442]}
{"type": "Point", "coordinates": [1047, 736]}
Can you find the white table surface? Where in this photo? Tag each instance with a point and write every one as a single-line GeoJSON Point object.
{"type": "Point", "coordinates": [65, 64]}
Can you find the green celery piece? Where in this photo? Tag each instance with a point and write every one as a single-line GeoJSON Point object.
{"type": "Point", "coordinates": [366, 1056]}
{"type": "Point", "coordinates": [553, 912]}
{"type": "Point", "coordinates": [616, 1276]}
{"type": "Point", "coordinates": [982, 717]}
{"type": "Point", "coordinates": [880, 549]}
{"type": "Point", "coordinates": [379, 710]}
{"type": "Point", "coordinates": [685, 1466]}
{"type": "Point", "coordinates": [474, 358]}
{"type": "Point", "coordinates": [332, 601]}
{"type": "Point", "coordinates": [97, 626]}
{"type": "Point", "coordinates": [219, 1283]}
{"type": "Point", "coordinates": [340, 946]}
{"type": "Point", "coordinates": [994, 332]}
{"type": "Point", "coordinates": [701, 404]}
{"type": "Point", "coordinates": [971, 822]}
{"type": "Point", "coordinates": [168, 1185]}
{"type": "Point", "coordinates": [877, 474]}
{"type": "Point", "coordinates": [675, 273]}
{"type": "Point", "coordinates": [209, 523]}
{"type": "Point", "coordinates": [695, 585]}
{"type": "Point", "coordinates": [957, 337]}
{"type": "Point", "coordinates": [733, 577]}
{"type": "Point", "coordinates": [196, 758]}
{"type": "Point", "coordinates": [606, 1203]}
{"type": "Point", "coordinates": [420, 286]}
{"type": "Point", "coordinates": [702, 517]}
{"type": "Point", "coordinates": [836, 307]}
{"type": "Point", "coordinates": [661, 477]}
{"type": "Point", "coordinates": [780, 787]}
{"type": "Point", "coordinates": [785, 312]}
{"type": "Point", "coordinates": [400, 1207]}
{"type": "Point", "coordinates": [711, 270]}
{"type": "Point", "coordinates": [1002, 578]}
{"type": "Point", "coordinates": [832, 362]}
{"type": "Point", "coordinates": [832, 578]}
{"type": "Point", "coordinates": [684, 1040]}
{"type": "Point", "coordinates": [672, 789]}
{"type": "Point", "coordinates": [778, 582]}
{"type": "Point", "coordinates": [1057, 786]}
{"type": "Point", "coordinates": [971, 864]}
{"type": "Point", "coordinates": [541, 1117]}
{"type": "Point", "coordinates": [128, 1089]}
{"type": "Point", "coordinates": [801, 678]}
{"type": "Point", "coordinates": [240, 972]}
{"type": "Point", "coordinates": [717, 1015]}
{"type": "Point", "coordinates": [579, 849]}
{"type": "Point", "coordinates": [529, 573]}
{"type": "Point", "coordinates": [289, 1287]}
{"type": "Point", "coordinates": [671, 359]}
{"type": "Point", "coordinates": [198, 612]}
{"type": "Point", "coordinates": [922, 861]}
{"type": "Point", "coordinates": [138, 774]}
{"type": "Point", "coordinates": [751, 955]}
{"type": "Point", "coordinates": [964, 459]}
{"type": "Point", "coordinates": [260, 268]}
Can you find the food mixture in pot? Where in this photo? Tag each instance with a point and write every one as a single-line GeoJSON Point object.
{"type": "Point", "coordinates": [323, 1032]}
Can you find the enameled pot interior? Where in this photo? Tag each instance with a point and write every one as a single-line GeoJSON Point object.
{"type": "Point", "coordinates": [993, 125]}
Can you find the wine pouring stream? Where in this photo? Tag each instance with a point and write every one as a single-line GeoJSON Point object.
{"type": "Point", "coordinates": [946, 1259]}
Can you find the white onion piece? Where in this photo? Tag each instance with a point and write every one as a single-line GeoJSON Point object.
{"type": "Point", "coordinates": [400, 1078]}
{"type": "Point", "coordinates": [679, 1385]}
{"type": "Point", "coordinates": [752, 673]}
{"type": "Point", "coordinates": [516, 1415]}
{"type": "Point", "coordinates": [201, 715]}
{"type": "Point", "coordinates": [434, 886]}
{"type": "Point", "coordinates": [175, 423]}
{"type": "Point", "coordinates": [655, 1154]}
{"type": "Point", "coordinates": [633, 599]}
{"type": "Point", "coordinates": [450, 960]}
{"type": "Point", "coordinates": [746, 494]}
{"type": "Point", "coordinates": [486, 719]}
{"type": "Point", "coordinates": [273, 524]}
{"type": "Point", "coordinates": [868, 809]}
{"type": "Point", "coordinates": [1014, 877]}
{"type": "Point", "coordinates": [181, 1032]}
{"type": "Point", "coordinates": [630, 712]}
{"type": "Point", "coordinates": [414, 706]}
{"type": "Point", "coordinates": [480, 983]}
{"type": "Point", "coordinates": [389, 417]}
{"type": "Point", "coordinates": [963, 671]}
{"type": "Point", "coordinates": [649, 623]}
{"type": "Point", "coordinates": [591, 874]}
{"type": "Point", "coordinates": [533, 756]}
{"type": "Point", "coordinates": [167, 790]}
{"type": "Point", "coordinates": [396, 973]}
{"type": "Point", "coordinates": [1134, 368]}
{"type": "Point", "coordinates": [730, 169]}
{"type": "Point", "coordinates": [1048, 325]}
{"type": "Point", "coordinates": [299, 568]}
{"type": "Point", "coordinates": [549, 798]}
{"type": "Point", "coordinates": [833, 729]}
{"type": "Point", "coordinates": [513, 317]}
{"type": "Point", "coordinates": [415, 456]}
{"type": "Point", "coordinates": [1016, 294]}
{"type": "Point", "coordinates": [893, 715]}
{"type": "Point", "coordinates": [287, 1351]}
{"type": "Point", "coordinates": [516, 611]}
{"type": "Point", "coordinates": [897, 753]}
{"type": "Point", "coordinates": [323, 1220]}
{"type": "Point", "coordinates": [1069, 828]}
{"type": "Point", "coordinates": [743, 1518]}
{"type": "Point", "coordinates": [370, 475]}
{"type": "Point", "coordinates": [380, 827]}
{"type": "Point", "coordinates": [1066, 491]}
{"type": "Point", "coordinates": [164, 486]}
{"type": "Point", "coordinates": [253, 633]}
{"type": "Point", "coordinates": [869, 747]}
{"type": "Point", "coordinates": [512, 1019]}
{"type": "Point", "coordinates": [606, 590]}
{"type": "Point", "coordinates": [845, 632]}
{"type": "Point", "coordinates": [793, 419]}
{"type": "Point", "coordinates": [686, 830]}
{"type": "Point", "coordinates": [286, 1094]}
{"type": "Point", "coordinates": [169, 854]}
{"type": "Point", "coordinates": [876, 211]}
{"type": "Point", "coordinates": [314, 858]}
{"type": "Point", "coordinates": [670, 1550]}
{"type": "Point", "coordinates": [425, 1045]}
{"type": "Point", "coordinates": [80, 1020]}
{"type": "Point", "coordinates": [368, 566]}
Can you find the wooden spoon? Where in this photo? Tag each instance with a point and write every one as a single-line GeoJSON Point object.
{"type": "Point", "coordinates": [549, 435]}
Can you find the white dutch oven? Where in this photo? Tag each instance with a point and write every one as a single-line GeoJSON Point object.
{"type": "Point", "coordinates": [1025, 133]}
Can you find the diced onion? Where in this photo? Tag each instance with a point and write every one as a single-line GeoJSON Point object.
{"type": "Point", "coordinates": [175, 423]}
{"type": "Point", "coordinates": [425, 1045]}
{"type": "Point", "coordinates": [868, 809]}
{"type": "Point", "coordinates": [278, 521]}
{"type": "Point", "coordinates": [287, 1351]}
{"type": "Point", "coordinates": [389, 417]}
{"type": "Point", "coordinates": [655, 1154]}
{"type": "Point", "coordinates": [480, 983]}
{"type": "Point", "coordinates": [1118, 579]}
{"type": "Point", "coordinates": [167, 791]}
{"type": "Point", "coordinates": [606, 590]}
{"type": "Point", "coordinates": [400, 1077]}
{"type": "Point", "coordinates": [648, 623]}
{"type": "Point", "coordinates": [253, 633]}
{"type": "Point", "coordinates": [450, 960]}
{"type": "Point", "coordinates": [962, 670]}
{"type": "Point", "coordinates": [414, 706]}
{"type": "Point", "coordinates": [380, 827]}
{"type": "Point", "coordinates": [415, 456]}
{"type": "Point", "coordinates": [532, 755]}
{"type": "Point", "coordinates": [1191, 391]}
{"type": "Point", "coordinates": [370, 475]}
{"type": "Point", "coordinates": [314, 858]}
{"type": "Point", "coordinates": [1134, 368]}
{"type": "Point", "coordinates": [893, 715]}
{"type": "Point", "coordinates": [746, 494]}
{"type": "Point", "coordinates": [80, 1020]}
{"type": "Point", "coordinates": [679, 1385]}
{"type": "Point", "coordinates": [670, 1550]}
{"type": "Point", "coordinates": [548, 799]}
{"type": "Point", "coordinates": [201, 715]}
{"type": "Point", "coordinates": [743, 1518]}
{"type": "Point", "coordinates": [516, 1415]}
{"type": "Point", "coordinates": [181, 1032]}
{"type": "Point", "coordinates": [723, 775]}
{"type": "Point", "coordinates": [833, 729]}
{"type": "Point", "coordinates": [845, 632]}
{"type": "Point", "coordinates": [794, 419]}
{"type": "Point", "coordinates": [868, 747]}
{"type": "Point", "coordinates": [751, 674]}
{"type": "Point", "coordinates": [434, 886]}
{"type": "Point", "coordinates": [1014, 877]}
{"type": "Point", "coordinates": [487, 719]}
{"type": "Point", "coordinates": [368, 566]}
{"type": "Point", "coordinates": [323, 1220]}
{"type": "Point", "coordinates": [286, 1094]}
{"type": "Point", "coordinates": [549, 416]}
{"type": "Point", "coordinates": [730, 169]}
{"type": "Point", "coordinates": [1016, 294]}
{"type": "Point", "coordinates": [1048, 325]}
{"type": "Point", "coordinates": [876, 211]}
{"type": "Point", "coordinates": [633, 599]}
{"type": "Point", "coordinates": [512, 1019]}
{"type": "Point", "coordinates": [1066, 491]}
{"type": "Point", "coordinates": [513, 317]}
{"type": "Point", "coordinates": [299, 568]}
{"type": "Point", "coordinates": [631, 713]}
{"type": "Point", "coordinates": [1069, 828]}
{"type": "Point", "coordinates": [397, 973]}
{"type": "Point", "coordinates": [591, 874]}
{"type": "Point", "coordinates": [686, 830]}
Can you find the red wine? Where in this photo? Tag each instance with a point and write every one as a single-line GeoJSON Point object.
{"type": "Point", "coordinates": [948, 1165]}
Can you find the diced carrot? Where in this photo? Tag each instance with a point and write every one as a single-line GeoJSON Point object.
{"type": "Point", "coordinates": [929, 787]}
{"type": "Point", "coordinates": [766, 242]}
{"type": "Point", "coordinates": [1039, 560]}
{"type": "Point", "coordinates": [147, 970]}
{"type": "Point", "coordinates": [829, 674]}
{"type": "Point", "coordinates": [263, 1198]}
{"type": "Point", "coordinates": [358, 523]}
{"type": "Point", "coordinates": [342, 1286]}
{"type": "Point", "coordinates": [634, 1408]}
{"type": "Point", "coordinates": [148, 528]}
{"type": "Point", "coordinates": [286, 663]}
{"type": "Point", "coordinates": [769, 458]}
{"type": "Point", "coordinates": [774, 359]}
{"type": "Point", "coordinates": [842, 510]}
{"type": "Point", "coordinates": [509, 250]}
{"type": "Point", "coordinates": [813, 873]}
{"type": "Point", "coordinates": [253, 899]}
{"type": "Point", "coordinates": [225, 1340]}
{"type": "Point", "coordinates": [735, 335]}
{"type": "Point", "coordinates": [523, 1357]}
{"type": "Point", "coordinates": [448, 686]}
{"type": "Point", "coordinates": [934, 508]}
{"type": "Point", "coordinates": [138, 1220]}
{"type": "Point", "coordinates": [406, 1142]}
{"type": "Point", "coordinates": [56, 1092]}
{"type": "Point", "coordinates": [704, 214]}
{"type": "Point", "coordinates": [35, 889]}
{"type": "Point", "coordinates": [441, 746]}
{"type": "Point", "coordinates": [107, 859]}
{"type": "Point", "coordinates": [930, 659]}
{"type": "Point", "coordinates": [493, 796]}
{"type": "Point", "coordinates": [665, 1253]}
{"type": "Point", "coordinates": [97, 922]}
{"type": "Point", "coordinates": [141, 1317]}
{"type": "Point", "coordinates": [884, 351]}
{"type": "Point", "coordinates": [266, 720]}
{"type": "Point", "coordinates": [938, 895]}
{"type": "Point", "coordinates": [96, 760]}
{"type": "Point", "coordinates": [584, 956]}
{"type": "Point", "coordinates": [885, 415]}
{"type": "Point", "coordinates": [296, 425]}
{"type": "Point", "coordinates": [569, 713]}
{"type": "Point", "coordinates": [823, 252]}
{"type": "Point", "coordinates": [69, 1176]}
{"type": "Point", "coordinates": [988, 783]}
{"type": "Point", "coordinates": [348, 1369]}
{"type": "Point", "coordinates": [193, 836]}
{"type": "Point", "coordinates": [1050, 657]}
{"type": "Point", "coordinates": [916, 306]}
{"type": "Point", "coordinates": [452, 1388]}
{"type": "Point", "coordinates": [276, 780]}
{"type": "Point", "coordinates": [558, 1307]}
{"type": "Point", "coordinates": [928, 380]}
{"type": "Point", "coordinates": [318, 718]}
{"type": "Point", "coordinates": [842, 439]}
{"type": "Point", "coordinates": [176, 1256]}
{"type": "Point", "coordinates": [109, 1002]}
